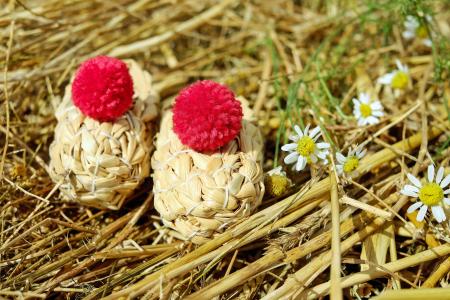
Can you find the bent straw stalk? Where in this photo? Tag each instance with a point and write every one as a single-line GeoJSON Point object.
{"type": "Point", "coordinates": [202, 194]}
{"type": "Point", "coordinates": [101, 163]}
{"type": "Point", "coordinates": [443, 269]}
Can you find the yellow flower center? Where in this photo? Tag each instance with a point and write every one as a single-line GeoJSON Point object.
{"type": "Point", "coordinates": [351, 164]}
{"type": "Point", "coordinates": [422, 32]}
{"type": "Point", "coordinates": [276, 185]}
{"type": "Point", "coordinates": [431, 194]}
{"type": "Point", "coordinates": [400, 80]}
{"type": "Point", "coordinates": [366, 110]}
{"type": "Point", "coordinates": [305, 146]}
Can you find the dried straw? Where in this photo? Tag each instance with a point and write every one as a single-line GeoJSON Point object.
{"type": "Point", "coordinates": [100, 164]}
{"type": "Point", "coordinates": [294, 64]}
{"type": "Point", "coordinates": [201, 194]}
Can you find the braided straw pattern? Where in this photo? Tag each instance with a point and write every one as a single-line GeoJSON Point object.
{"type": "Point", "coordinates": [99, 164]}
{"type": "Point", "coordinates": [201, 194]}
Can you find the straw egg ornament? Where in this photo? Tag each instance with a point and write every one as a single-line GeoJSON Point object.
{"type": "Point", "coordinates": [207, 163]}
{"type": "Point", "coordinates": [103, 138]}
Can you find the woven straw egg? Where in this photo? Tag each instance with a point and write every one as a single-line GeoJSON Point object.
{"type": "Point", "coordinates": [99, 164]}
{"type": "Point", "coordinates": [202, 194]}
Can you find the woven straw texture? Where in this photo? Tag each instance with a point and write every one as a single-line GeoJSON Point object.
{"type": "Point", "coordinates": [202, 194]}
{"type": "Point", "coordinates": [100, 164]}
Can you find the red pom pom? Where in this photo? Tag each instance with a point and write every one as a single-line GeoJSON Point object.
{"type": "Point", "coordinates": [103, 88]}
{"type": "Point", "coordinates": [206, 116]}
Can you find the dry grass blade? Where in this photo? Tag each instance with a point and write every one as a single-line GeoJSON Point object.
{"type": "Point", "coordinates": [431, 294]}
{"type": "Point", "coordinates": [335, 270]}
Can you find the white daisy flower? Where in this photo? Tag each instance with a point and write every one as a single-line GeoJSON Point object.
{"type": "Point", "coordinates": [431, 194]}
{"type": "Point", "coordinates": [413, 29]}
{"type": "Point", "coordinates": [365, 111]}
{"type": "Point", "coordinates": [276, 182]}
{"type": "Point", "coordinates": [397, 79]}
{"type": "Point", "coordinates": [277, 171]}
{"type": "Point", "coordinates": [305, 148]}
{"type": "Point", "coordinates": [348, 164]}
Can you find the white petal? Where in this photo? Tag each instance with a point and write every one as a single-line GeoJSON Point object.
{"type": "Point", "coordinates": [427, 42]}
{"type": "Point", "coordinates": [438, 213]}
{"type": "Point", "coordinates": [305, 132]}
{"type": "Point", "coordinates": [323, 145]}
{"type": "Point", "coordinates": [399, 65]}
{"type": "Point", "coordinates": [340, 169]}
{"type": "Point", "coordinates": [291, 158]}
{"type": "Point", "coordinates": [301, 163]}
{"type": "Point", "coordinates": [357, 113]}
{"type": "Point", "coordinates": [313, 158]}
{"type": "Point", "coordinates": [363, 121]}
{"type": "Point", "coordinates": [447, 192]}
{"type": "Point", "coordinates": [445, 181]}
{"type": "Point", "coordinates": [422, 213]}
{"type": "Point", "coordinates": [364, 98]}
{"type": "Point", "coordinates": [276, 171]}
{"type": "Point", "coordinates": [430, 173]}
{"type": "Point", "coordinates": [340, 158]}
{"type": "Point", "coordinates": [372, 120]}
{"type": "Point", "coordinates": [440, 175]}
{"type": "Point", "coordinates": [362, 153]}
{"type": "Point", "coordinates": [314, 132]}
{"type": "Point", "coordinates": [386, 79]}
{"type": "Point", "coordinates": [409, 24]}
{"type": "Point", "coordinates": [298, 130]}
{"type": "Point", "coordinates": [411, 21]}
{"type": "Point", "coordinates": [405, 69]}
{"type": "Point", "coordinates": [294, 138]}
{"type": "Point", "coordinates": [356, 102]}
{"type": "Point", "coordinates": [411, 188]}
{"type": "Point", "coordinates": [407, 34]}
{"type": "Point", "coordinates": [322, 154]}
{"type": "Point", "coordinates": [289, 147]}
{"type": "Point", "coordinates": [414, 180]}
{"type": "Point", "coordinates": [376, 105]}
{"type": "Point", "coordinates": [377, 113]}
{"type": "Point", "coordinates": [447, 201]}
{"type": "Point", "coordinates": [414, 207]}
{"type": "Point", "coordinates": [407, 192]}
{"type": "Point", "coordinates": [316, 138]}
{"type": "Point", "coordinates": [352, 150]}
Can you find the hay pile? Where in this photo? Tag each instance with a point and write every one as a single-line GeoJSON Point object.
{"type": "Point", "coordinates": [296, 64]}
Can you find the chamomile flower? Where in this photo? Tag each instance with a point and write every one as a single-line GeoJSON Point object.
{"type": "Point", "coordinates": [432, 194]}
{"type": "Point", "coordinates": [347, 165]}
{"type": "Point", "coordinates": [413, 29]}
{"type": "Point", "coordinates": [305, 148]}
{"type": "Point", "coordinates": [367, 112]}
{"type": "Point", "coordinates": [397, 79]}
{"type": "Point", "coordinates": [276, 182]}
